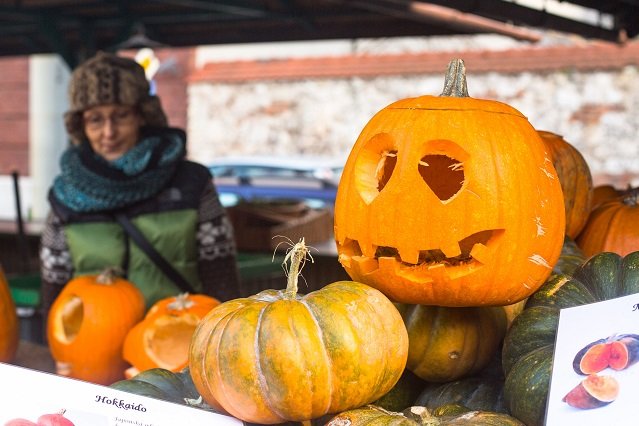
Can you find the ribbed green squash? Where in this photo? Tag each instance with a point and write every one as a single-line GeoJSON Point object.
{"type": "Point", "coordinates": [476, 393]}
{"type": "Point", "coordinates": [160, 383]}
{"type": "Point", "coordinates": [403, 394]}
{"type": "Point", "coordinates": [529, 343]}
{"type": "Point", "coordinates": [571, 257]}
{"type": "Point", "coordinates": [483, 391]}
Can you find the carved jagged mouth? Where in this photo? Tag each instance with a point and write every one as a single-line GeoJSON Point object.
{"type": "Point", "coordinates": [472, 250]}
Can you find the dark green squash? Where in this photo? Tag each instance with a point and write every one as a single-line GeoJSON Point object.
{"type": "Point", "coordinates": [483, 391]}
{"type": "Point", "coordinates": [403, 394]}
{"type": "Point", "coordinates": [163, 384]}
{"type": "Point", "coordinates": [529, 343]}
{"type": "Point", "coordinates": [476, 393]}
{"type": "Point", "coordinates": [571, 257]}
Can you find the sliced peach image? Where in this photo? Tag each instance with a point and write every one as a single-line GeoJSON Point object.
{"type": "Point", "coordinates": [593, 392]}
{"type": "Point", "coordinates": [617, 352]}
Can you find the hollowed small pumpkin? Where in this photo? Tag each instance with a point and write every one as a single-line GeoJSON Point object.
{"type": "Point", "coordinates": [162, 338]}
{"type": "Point", "coordinates": [87, 325]}
{"type": "Point", "coordinates": [9, 325]}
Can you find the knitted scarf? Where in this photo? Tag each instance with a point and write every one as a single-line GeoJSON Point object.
{"type": "Point", "coordinates": [89, 183]}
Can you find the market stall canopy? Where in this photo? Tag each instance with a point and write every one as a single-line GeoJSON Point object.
{"type": "Point", "coordinates": [75, 29]}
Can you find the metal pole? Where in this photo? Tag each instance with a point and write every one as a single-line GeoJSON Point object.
{"type": "Point", "coordinates": [22, 237]}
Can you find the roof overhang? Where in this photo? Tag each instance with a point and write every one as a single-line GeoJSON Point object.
{"type": "Point", "coordinates": [75, 29]}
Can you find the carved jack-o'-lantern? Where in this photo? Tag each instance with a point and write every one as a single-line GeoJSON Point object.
{"type": "Point", "coordinates": [449, 201]}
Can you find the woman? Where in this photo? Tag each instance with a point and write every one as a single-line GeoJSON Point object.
{"type": "Point", "coordinates": [127, 167]}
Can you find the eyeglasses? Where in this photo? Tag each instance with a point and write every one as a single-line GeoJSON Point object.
{"type": "Point", "coordinates": [96, 121]}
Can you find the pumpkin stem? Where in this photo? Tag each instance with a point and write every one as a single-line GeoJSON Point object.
{"type": "Point", "coordinates": [421, 415]}
{"type": "Point", "coordinates": [109, 274]}
{"type": "Point", "coordinates": [455, 80]}
{"type": "Point", "coordinates": [181, 302]}
{"type": "Point", "coordinates": [631, 198]}
{"type": "Point", "coordinates": [297, 256]}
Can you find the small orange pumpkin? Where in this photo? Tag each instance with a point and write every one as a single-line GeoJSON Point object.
{"type": "Point", "coordinates": [9, 325]}
{"type": "Point", "coordinates": [451, 201]}
{"type": "Point", "coordinates": [87, 324]}
{"type": "Point", "coordinates": [162, 338]}
{"type": "Point", "coordinates": [446, 344]}
{"type": "Point", "coordinates": [604, 192]}
{"type": "Point", "coordinates": [613, 226]}
{"type": "Point", "coordinates": [575, 179]}
{"type": "Point", "coordinates": [278, 356]}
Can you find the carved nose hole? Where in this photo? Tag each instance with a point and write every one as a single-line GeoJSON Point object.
{"type": "Point", "coordinates": [443, 174]}
{"type": "Point", "coordinates": [385, 168]}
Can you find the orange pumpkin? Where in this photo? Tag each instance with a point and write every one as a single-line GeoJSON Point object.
{"type": "Point", "coordinates": [87, 324]}
{"type": "Point", "coordinates": [604, 192]}
{"type": "Point", "coordinates": [575, 179]}
{"type": "Point", "coordinates": [278, 356]}
{"type": "Point", "coordinates": [162, 338]}
{"type": "Point", "coordinates": [9, 325]}
{"type": "Point", "coordinates": [446, 344]}
{"type": "Point", "coordinates": [451, 201]}
{"type": "Point", "coordinates": [613, 226]}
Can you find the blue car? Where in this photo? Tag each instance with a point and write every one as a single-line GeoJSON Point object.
{"type": "Point", "coordinates": [274, 178]}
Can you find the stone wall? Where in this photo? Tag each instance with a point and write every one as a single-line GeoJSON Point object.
{"type": "Point", "coordinates": [594, 109]}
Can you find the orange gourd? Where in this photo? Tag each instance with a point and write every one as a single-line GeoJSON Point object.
{"type": "Point", "coordinates": [279, 356]}
{"type": "Point", "coordinates": [9, 325]}
{"type": "Point", "coordinates": [87, 324]}
{"type": "Point", "coordinates": [604, 192]}
{"type": "Point", "coordinates": [575, 179]}
{"type": "Point", "coordinates": [451, 201]}
{"type": "Point", "coordinates": [446, 344]}
{"type": "Point", "coordinates": [162, 338]}
{"type": "Point", "coordinates": [613, 226]}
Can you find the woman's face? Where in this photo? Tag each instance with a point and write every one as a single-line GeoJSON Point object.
{"type": "Point", "coordinates": [112, 129]}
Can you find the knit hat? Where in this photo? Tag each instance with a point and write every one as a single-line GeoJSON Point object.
{"type": "Point", "coordinates": [110, 79]}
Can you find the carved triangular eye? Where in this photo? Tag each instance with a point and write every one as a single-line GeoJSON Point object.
{"type": "Point", "coordinates": [443, 174]}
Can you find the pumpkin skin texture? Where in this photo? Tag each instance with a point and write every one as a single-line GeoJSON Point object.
{"type": "Point", "coordinates": [603, 193]}
{"type": "Point", "coordinates": [446, 344]}
{"type": "Point", "coordinates": [278, 356]}
{"type": "Point", "coordinates": [85, 332]}
{"type": "Point", "coordinates": [529, 343]}
{"type": "Point", "coordinates": [162, 338]}
{"type": "Point", "coordinates": [371, 416]}
{"type": "Point", "coordinates": [9, 325]}
{"type": "Point", "coordinates": [575, 179]}
{"type": "Point", "coordinates": [415, 416]}
{"type": "Point", "coordinates": [613, 226]}
{"type": "Point", "coordinates": [449, 201]}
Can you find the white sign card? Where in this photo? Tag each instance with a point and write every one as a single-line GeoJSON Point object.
{"type": "Point", "coordinates": [579, 327]}
{"type": "Point", "coordinates": [29, 394]}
